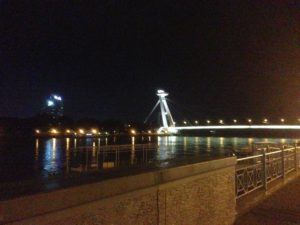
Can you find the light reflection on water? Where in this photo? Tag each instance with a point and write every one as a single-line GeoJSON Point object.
{"type": "Point", "coordinates": [53, 160]}
{"type": "Point", "coordinates": [132, 155]}
{"type": "Point", "coordinates": [36, 155]}
{"type": "Point", "coordinates": [62, 156]}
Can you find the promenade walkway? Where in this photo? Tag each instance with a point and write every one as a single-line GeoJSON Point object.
{"type": "Point", "coordinates": [282, 207]}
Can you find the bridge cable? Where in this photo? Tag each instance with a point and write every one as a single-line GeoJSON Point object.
{"type": "Point", "coordinates": [151, 111]}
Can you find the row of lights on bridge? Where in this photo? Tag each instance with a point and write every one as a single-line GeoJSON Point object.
{"type": "Point", "coordinates": [81, 131]}
{"type": "Point", "coordinates": [265, 120]}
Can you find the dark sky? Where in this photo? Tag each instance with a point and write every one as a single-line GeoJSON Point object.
{"type": "Point", "coordinates": [108, 58]}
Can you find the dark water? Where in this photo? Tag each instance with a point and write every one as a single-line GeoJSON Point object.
{"type": "Point", "coordinates": [62, 157]}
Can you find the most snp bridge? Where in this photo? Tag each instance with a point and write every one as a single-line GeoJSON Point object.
{"type": "Point", "coordinates": [169, 126]}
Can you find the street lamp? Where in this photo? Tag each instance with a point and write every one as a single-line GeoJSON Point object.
{"type": "Point", "coordinates": [94, 131]}
{"type": "Point", "coordinates": [81, 131]}
{"type": "Point", "coordinates": [53, 131]}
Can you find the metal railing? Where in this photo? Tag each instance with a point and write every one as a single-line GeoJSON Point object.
{"type": "Point", "coordinates": [110, 156]}
{"type": "Point", "coordinates": [259, 170]}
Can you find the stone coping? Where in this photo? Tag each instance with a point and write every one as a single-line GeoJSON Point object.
{"type": "Point", "coordinates": [41, 203]}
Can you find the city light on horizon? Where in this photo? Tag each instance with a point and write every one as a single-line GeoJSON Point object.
{"type": "Point", "coordinates": [94, 131]}
{"type": "Point", "coordinates": [54, 131]}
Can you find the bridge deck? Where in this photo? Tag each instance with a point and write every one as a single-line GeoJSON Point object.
{"type": "Point", "coordinates": [216, 127]}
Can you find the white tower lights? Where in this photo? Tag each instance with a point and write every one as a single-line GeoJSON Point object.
{"type": "Point", "coordinates": [167, 119]}
{"type": "Point", "coordinates": [165, 111]}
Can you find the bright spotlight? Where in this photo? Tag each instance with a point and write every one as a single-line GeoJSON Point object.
{"type": "Point", "coordinates": [50, 103]}
{"type": "Point", "coordinates": [56, 97]}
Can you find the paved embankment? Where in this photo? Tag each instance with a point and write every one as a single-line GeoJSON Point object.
{"type": "Point", "coordinates": [280, 208]}
{"type": "Point", "coordinates": [200, 193]}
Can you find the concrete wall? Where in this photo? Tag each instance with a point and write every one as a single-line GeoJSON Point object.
{"type": "Point", "coordinates": [202, 193]}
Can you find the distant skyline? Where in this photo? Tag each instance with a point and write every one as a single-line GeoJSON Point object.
{"type": "Point", "coordinates": [225, 59]}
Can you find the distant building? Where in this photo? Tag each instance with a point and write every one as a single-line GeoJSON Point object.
{"type": "Point", "coordinates": [54, 107]}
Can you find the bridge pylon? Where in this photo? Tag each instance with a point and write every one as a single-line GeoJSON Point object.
{"type": "Point", "coordinates": [164, 108]}
{"type": "Point", "coordinates": [167, 119]}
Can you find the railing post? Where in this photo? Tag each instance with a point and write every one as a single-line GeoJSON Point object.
{"type": "Point", "coordinates": [265, 168]}
{"type": "Point", "coordinates": [282, 162]}
{"type": "Point", "coordinates": [296, 158]}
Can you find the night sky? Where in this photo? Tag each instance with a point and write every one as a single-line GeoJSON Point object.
{"type": "Point", "coordinates": [107, 58]}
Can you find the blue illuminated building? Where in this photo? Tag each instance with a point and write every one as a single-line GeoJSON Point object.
{"type": "Point", "coordinates": [54, 106]}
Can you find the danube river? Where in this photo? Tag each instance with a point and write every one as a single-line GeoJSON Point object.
{"type": "Point", "coordinates": [48, 158]}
